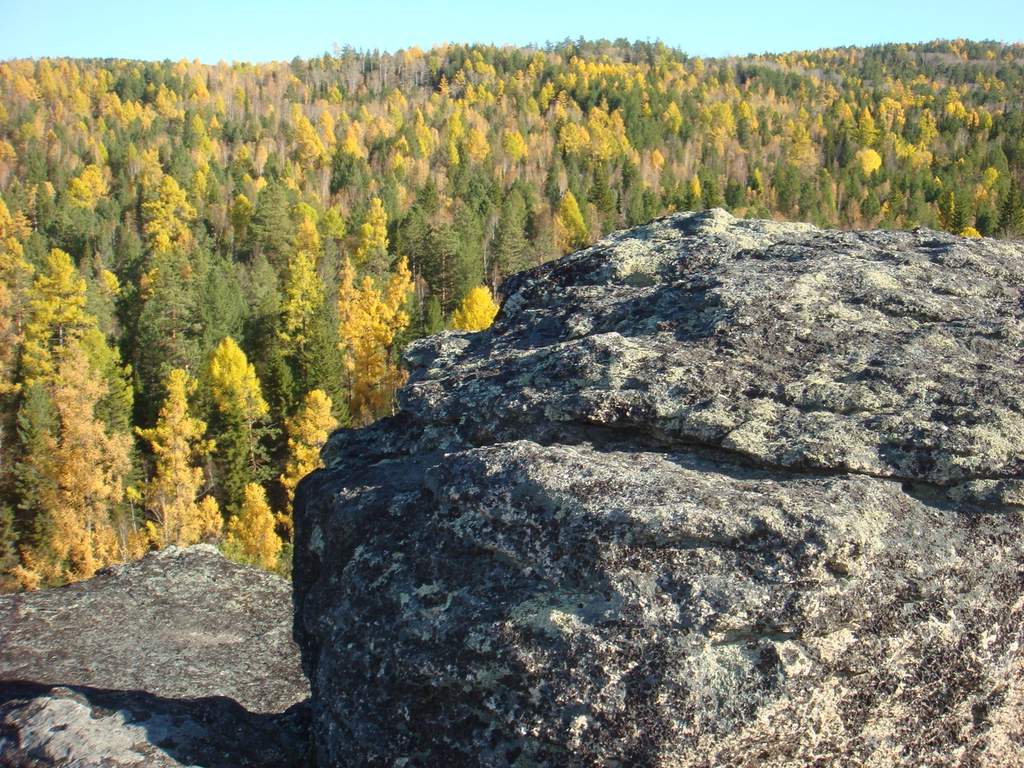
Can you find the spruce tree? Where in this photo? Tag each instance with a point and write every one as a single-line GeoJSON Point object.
{"type": "Point", "coordinates": [1011, 212]}
{"type": "Point", "coordinates": [511, 247]}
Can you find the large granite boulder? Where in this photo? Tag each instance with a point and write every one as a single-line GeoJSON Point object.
{"type": "Point", "coordinates": [710, 492]}
{"type": "Point", "coordinates": [181, 658]}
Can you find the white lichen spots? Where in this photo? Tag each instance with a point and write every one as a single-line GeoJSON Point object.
{"type": "Point", "coordinates": [747, 233]}
{"type": "Point", "coordinates": [753, 437]}
{"type": "Point", "coordinates": [577, 729]}
{"type": "Point", "coordinates": [794, 659]}
{"type": "Point", "coordinates": [553, 613]}
{"type": "Point", "coordinates": [879, 280]}
{"type": "Point", "coordinates": [809, 288]}
{"type": "Point", "coordinates": [710, 420]}
{"type": "Point", "coordinates": [997, 441]}
{"type": "Point", "coordinates": [832, 647]}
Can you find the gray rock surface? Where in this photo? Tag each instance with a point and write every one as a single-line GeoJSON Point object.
{"type": "Point", "coordinates": [710, 492]}
{"type": "Point", "coordinates": [181, 658]}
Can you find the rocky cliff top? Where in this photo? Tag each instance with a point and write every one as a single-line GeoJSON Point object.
{"type": "Point", "coordinates": [709, 492]}
{"type": "Point", "coordinates": [892, 354]}
{"type": "Point", "coordinates": [181, 658]}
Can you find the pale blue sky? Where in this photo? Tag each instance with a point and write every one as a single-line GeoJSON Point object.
{"type": "Point", "coordinates": [262, 30]}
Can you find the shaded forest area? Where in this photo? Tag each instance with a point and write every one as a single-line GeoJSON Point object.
{"type": "Point", "coordinates": [205, 269]}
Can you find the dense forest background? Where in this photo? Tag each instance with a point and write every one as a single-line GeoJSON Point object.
{"type": "Point", "coordinates": [204, 269]}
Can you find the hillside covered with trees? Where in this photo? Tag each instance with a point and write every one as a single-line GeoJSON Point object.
{"type": "Point", "coordinates": [205, 269]}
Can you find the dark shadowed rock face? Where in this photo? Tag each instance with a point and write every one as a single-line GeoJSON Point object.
{"type": "Point", "coordinates": [181, 658]}
{"type": "Point", "coordinates": [710, 492]}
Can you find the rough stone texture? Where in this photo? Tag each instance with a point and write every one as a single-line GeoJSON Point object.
{"type": "Point", "coordinates": [710, 492]}
{"type": "Point", "coordinates": [181, 658]}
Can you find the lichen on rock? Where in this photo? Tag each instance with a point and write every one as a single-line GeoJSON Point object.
{"type": "Point", "coordinates": [181, 658]}
{"type": "Point", "coordinates": [709, 492]}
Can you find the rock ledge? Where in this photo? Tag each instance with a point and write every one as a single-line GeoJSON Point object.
{"type": "Point", "coordinates": [181, 658]}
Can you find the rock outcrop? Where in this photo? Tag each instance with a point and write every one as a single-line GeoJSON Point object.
{"type": "Point", "coordinates": [181, 658]}
{"type": "Point", "coordinates": [710, 492]}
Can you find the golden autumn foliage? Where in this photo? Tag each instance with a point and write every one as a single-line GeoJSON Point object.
{"type": "Point", "coordinates": [241, 215]}
{"type": "Point", "coordinates": [83, 467]}
{"type": "Point", "coordinates": [477, 310]}
{"type": "Point", "coordinates": [10, 340]}
{"type": "Point", "coordinates": [867, 131]}
{"type": "Point", "coordinates": [573, 138]}
{"type": "Point", "coordinates": [514, 145]}
{"type": "Point", "coordinates": [307, 430]}
{"type": "Point", "coordinates": [672, 117]}
{"type": "Point", "coordinates": [369, 319]}
{"type": "Point", "coordinates": [241, 458]}
{"type": "Point", "coordinates": [309, 149]}
{"type": "Point", "coordinates": [571, 230]}
{"type": "Point", "coordinates": [166, 217]}
{"type": "Point", "coordinates": [352, 145]}
{"type": "Point", "coordinates": [233, 382]}
{"type": "Point", "coordinates": [477, 147]}
{"type": "Point", "coordinates": [172, 496]}
{"type": "Point", "coordinates": [221, 200]}
{"type": "Point", "coordinates": [56, 317]}
{"type": "Point", "coordinates": [86, 189]}
{"type": "Point", "coordinates": [251, 537]}
{"type": "Point", "coordinates": [308, 238]}
{"type": "Point", "coordinates": [869, 161]}
{"type": "Point", "coordinates": [303, 298]}
{"type": "Point", "coordinates": [373, 236]}
{"type": "Point", "coordinates": [694, 190]}
{"type": "Point", "coordinates": [15, 277]}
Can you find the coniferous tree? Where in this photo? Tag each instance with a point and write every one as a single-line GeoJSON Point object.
{"type": "Point", "coordinates": [15, 274]}
{"type": "Point", "coordinates": [369, 321]}
{"type": "Point", "coordinates": [372, 252]}
{"type": "Point", "coordinates": [169, 330]}
{"type": "Point", "coordinates": [307, 430]}
{"type": "Point", "coordinates": [433, 317]}
{"type": "Point", "coordinates": [477, 310]}
{"type": "Point", "coordinates": [167, 215]}
{"type": "Point", "coordinates": [178, 512]}
{"type": "Point", "coordinates": [15, 281]}
{"type": "Point", "coordinates": [241, 410]}
{"type": "Point", "coordinates": [438, 263]}
{"type": "Point", "coordinates": [78, 469]}
{"type": "Point", "coordinates": [511, 246]}
{"type": "Point", "coordinates": [271, 231]}
{"type": "Point", "coordinates": [572, 231]}
{"type": "Point", "coordinates": [1011, 212]}
{"type": "Point", "coordinates": [56, 318]}
{"type": "Point", "coordinates": [251, 537]}
{"type": "Point", "coordinates": [195, 203]}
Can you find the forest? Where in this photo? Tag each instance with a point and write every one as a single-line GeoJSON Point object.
{"type": "Point", "coordinates": [204, 269]}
